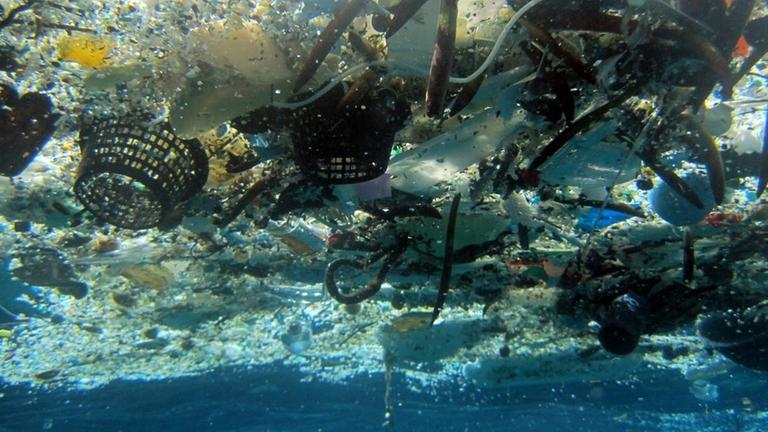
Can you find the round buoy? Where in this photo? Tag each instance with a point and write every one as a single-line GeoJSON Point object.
{"type": "Point", "coordinates": [675, 209]}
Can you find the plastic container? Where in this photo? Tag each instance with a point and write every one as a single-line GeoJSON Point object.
{"type": "Point", "coordinates": [301, 237]}
{"type": "Point", "coordinates": [675, 209]}
{"type": "Point", "coordinates": [133, 175]}
{"type": "Point", "coordinates": [352, 145]}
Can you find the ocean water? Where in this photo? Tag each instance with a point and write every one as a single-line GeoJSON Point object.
{"type": "Point", "coordinates": [337, 215]}
{"type": "Point", "coordinates": [275, 399]}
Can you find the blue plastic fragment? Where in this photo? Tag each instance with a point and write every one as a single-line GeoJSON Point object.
{"type": "Point", "coordinates": [609, 217]}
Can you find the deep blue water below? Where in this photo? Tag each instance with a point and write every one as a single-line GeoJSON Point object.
{"type": "Point", "coordinates": [274, 399]}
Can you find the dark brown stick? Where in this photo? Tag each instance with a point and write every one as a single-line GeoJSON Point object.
{"type": "Point", "coordinates": [445, 277]}
{"type": "Point", "coordinates": [442, 58]}
{"type": "Point", "coordinates": [327, 39]}
{"type": "Point", "coordinates": [702, 144]}
{"type": "Point", "coordinates": [689, 260]}
{"type": "Point", "coordinates": [584, 70]}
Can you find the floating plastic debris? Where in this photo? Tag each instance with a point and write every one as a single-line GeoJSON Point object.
{"type": "Point", "coordinates": [740, 336]}
{"type": "Point", "coordinates": [153, 276]}
{"type": "Point", "coordinates": [27, 122]}
{"type": "Point", "coordinates": [352, 144]}
{"type": "Point", "coordinates": [705, 391]}
{"type": "Point", "coordinates": [675, 209]}
{"type": "Point", "coordinates": [473, 227]}
{"type": "Point", "coordinates": [107, 77]}
{"type": "Point", "coordinates": [717, 120]}
{"type": "Point", "coordinates": [297, 337]}
{"type": "Point", "coordinates": [302, 237]}
{"type": "Point", "coordinates": [593, 162]}
{"type": "Point", "coordinates": [86, 50]}
{"type": "Point", "coordinates": [377, 188]}
{"type": "Point", "coordinates": [200, 279]}
{"type": "Point", "coordinates": [623, 324]}
{"type": "Point", "coordinates": [412, 338]}
{"type": "Point", "coordinates": [241, 68]}
{"type": "Point", "coordinates": [589, 219]}
{"type": "Point", "coordinates": [440, 158]}
{"type": "Point", "coordinates": [47, 375]}
{"type": "Point", "coordinates": [133, 175]}
{"type": "Point", "coordinates": [124, 299]}
{"type": "Point", "coordinates": [48, 268]}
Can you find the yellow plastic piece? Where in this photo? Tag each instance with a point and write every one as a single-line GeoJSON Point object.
{"type": "Point", "coordinates": [86, 50]}
{"type": "Point", "coordinates": [153, 276]}
{"type": "Point", "coordinates": [412, 321]}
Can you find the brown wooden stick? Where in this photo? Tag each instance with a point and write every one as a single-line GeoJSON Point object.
{"type": "Point", "coordinates": [445, 277]}
{"type": "Point", "coordinates": [702, 144]}
{"type": "Point", "coordinates": [327, 39]}
{"type": "Point", "coordinates": [689, 260]}
{"type": "Point", "coordinates": [540, 34]}
{"type": "Point", "coordinates": [466, 94]}
{"type": "Point", "coordinates": [442, 58]}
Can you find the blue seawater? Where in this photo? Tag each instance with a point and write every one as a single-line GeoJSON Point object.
{"type": "Point", "coordinates": [274, 399]}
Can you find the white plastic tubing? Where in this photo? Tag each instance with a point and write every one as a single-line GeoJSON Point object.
{"type": "Point", "coordinates": [454, 80]}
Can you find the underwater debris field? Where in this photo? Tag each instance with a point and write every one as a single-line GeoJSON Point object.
{"type": "Point", "coordinates": [479, 194]}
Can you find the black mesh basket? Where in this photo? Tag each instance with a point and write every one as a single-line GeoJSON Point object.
{"type": "Point", "coordinates": [344, 162]}
{"type": "Point", "coordinates": [133, 176]}
{"type": "Point", "coordinates": [353, 145]}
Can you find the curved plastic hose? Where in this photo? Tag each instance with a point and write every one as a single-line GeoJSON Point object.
{"type": "Point", "coordinates": [371, 288]}
{"type": "Point", "coordinates": [497, 46]}
{"type": "Point", "coordinates": [358, 295]}
{"type": "Point", "coordinates": [326, 88]}
{"type": "Point", "coordinates": [454, 80]}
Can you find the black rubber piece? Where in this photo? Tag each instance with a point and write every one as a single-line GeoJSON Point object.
{"type": "Point", "coordinates": [623, 324]}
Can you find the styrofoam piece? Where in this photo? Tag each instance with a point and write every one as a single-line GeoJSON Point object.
{"type": "Point", "coordinates": [440, 158]}
{"type": "Point", "coordinates": [592, 162]}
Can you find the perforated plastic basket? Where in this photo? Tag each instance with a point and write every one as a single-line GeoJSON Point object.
{"type": "Point", "coordinates": [345, 162]}
{"type": "Point", "coordinates": [352, 145]}
{"type": "Point", "coordinates": [133, 175]}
